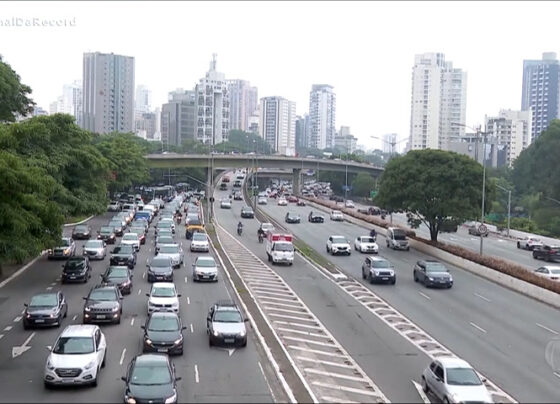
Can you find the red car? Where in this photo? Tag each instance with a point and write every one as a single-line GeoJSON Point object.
{"type": "Point", "coordinates": [292, 198]}
{"type": "Point", "coordinates": [225, 179]}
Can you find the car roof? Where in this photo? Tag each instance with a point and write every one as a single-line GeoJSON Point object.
{"type": "Point", "coordinates": [164, 314]}
{"type": "Point", "coordinates": [45, 294]}
{"type": "Point", "coordinates": [453, 362]}
{"type": "Point", "coordinates": [79, 330]}
{"type": "Point", "coordinates": [549, 267]}
{"type": "Point", "coordinates": [151, 359]}
{"type": "Point", "coordinates": [104, 286]}
{"type": "Point", "coordinates": [378, 258]}
{"type": "Point", "coordinates": [226, 304]}
{"type": "Point", "coordinates": [169, 285]}
{"type": "Point", "coordinates": [205, 258]}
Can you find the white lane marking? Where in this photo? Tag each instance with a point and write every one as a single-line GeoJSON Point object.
{"type": "Point", "coordinates": [334, 375]}
{"type": "Point", "coordinates": [314, 327]}
{"type": "Point", "coordinates": [307, 341]}
{"type": "Point", "coordinates": [423, 395]}
{"type": "Point", "coordinates": [293, 306]}
{"type": "Point", "coordinates": [292, 317]}
{"type": "Point", "coordinates": [311, 334]}
{"type": "Point", "coordinates": [301, 311]}
{"type": "Point", "coordinates": [315, 360]}
{"type": "Point", "coordinates": [132, 322]}
{"type": "Point", "coordinates": [196, 379]}
{"type": "Point", "coordinates": [8, 328]}
{"type": "Point", "coordinates": [75, 317]}
{"type": "Point", "coordinates": [1, 336]}
{"type": "Point", "coordinates": [188, 300]}
{"type": "Point", "coordinates": [478, 328]}
{"type": "Point", "coordinates": [186, 279]}
{"type": "Point", "coordinates": [49, 287]}
{"type": "Point", "coordinates": [336, 400]}
{"type": "Point", "coordinates": [546, 328]}
{"type": "Point", "coordinates": [348, 389]}
{"type": "Point", "coordinates": [139, 291]}
{"type": "Point", "coordinates": [53, 284]}
{"type": "Point", "coordinates": [23, 311]}
{"type": "Point", "coordinates": [143, 275]}
{"type": "Point", "coordinates": [18, 318]}
{"type": "Point", "coordinates": [192, 328]}
{"type": "Point", "coordinates": [122, 356]}
{"type": "Point", "coordinates": [482, 297]}
{"type": "Point", "coordinates": [18, 350]}
{"type": "Point", "coordinates": [556, 374]}
{"type": "Point", "coordinates": [426, 296]}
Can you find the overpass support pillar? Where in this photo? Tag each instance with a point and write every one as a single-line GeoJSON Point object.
{"type": "Point", "coordinates": [296, 181]}
{"type": "Point", "coordinates": [210, 192]}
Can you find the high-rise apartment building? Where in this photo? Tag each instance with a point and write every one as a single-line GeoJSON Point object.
{"type": "Point", "coordinates": [439, 99]}
{"type": "Point", "coordinates": [389, 143]}
{"type": "Point", "coordinates": [143, 99]}
{"type": "Point", "coordinates": [278, 124]}
{"type": "Point", "coordinates": [322, 115]}
{"type": "Point", "coordinates": [146, 125]}
{"type": "Point", "coordinates": [70, 102]}
{"type": "Point", "coordinates": [108, 93]}
{"type": "Point", "coordinates": [302, 131]}
{"type": "Point", "coordinates": [511, 132]}
{"type": "Point", "coordinates": [178, 117]}
{"type": "Point", "coordinates": [540, 91]}
{"type": "Point", "coordinates": [243, 102]}
{"type": "Point", "coordinates": [345, 141]}
{"type": "Point", "coordinates": [212, 102]}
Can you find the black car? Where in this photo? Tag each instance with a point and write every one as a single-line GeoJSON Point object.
{"type": "Point", "coordinates": [81, 232]}
{"type": "Point", "coordinates": [76, 269]}
{"type": "Point", "coordinates": [151, 378]}
{"type": "Point", "coordinates": [547, 253]}
{"type": "Point", "coordinates": [45, 309]}
{"type": "Point", "coordinates": [247, 212]}
{"type": "Point", "coordinates": [163, 332]}
{"type": "Point", "coordinates": [292, 218]}
{"type": "Point", "coordinates": [160, 269]}
{"type": "Point", "coordinates": [432, 273]}
{"type": "Point", "coordinates": [120, 276]}
{"type": "Point", "coordinates": [118, 227]}
{"type": "Point", "coordinates": [103, 304]}
{"type": "Point", "coordinates": [123, 254]}
{"type": "Point", "coordinates": [313, 218]}
{"type": "Point", "coordinates": [225, 325]}
{"type": "Point", "coordinates": [107, 234]}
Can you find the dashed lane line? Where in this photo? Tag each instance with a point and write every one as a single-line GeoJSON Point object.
{"type": "Point", "coordinates": [18, 318]}
{"type": "Point", "coordinates": [478, 327]}
{"type": "Point", "coordinates": [196, 376]}
{"type": "Point", "coordinates": [122, 356]}
{"type": "Point", "coordinates": [132, 322]}
{"type": "Point", "coordinates": [421, 294]}
{"type": "Point", "coordinates": [423, 395]}
{"type": "Point", "coordinates": [8, 328]}
{"type": "Point", "coordinates": [546, 328]}
{"type": "Point", "coordinates": [482, 297]}
{"type": "Point", "coordinates": [192, 328]}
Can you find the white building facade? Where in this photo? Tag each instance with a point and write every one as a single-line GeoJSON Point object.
{"type": "Point", "coordinates": [389, 143]}
{"type": "Point", "coordinates": [277, 124]}
{"type": "Point", "coordinates": [70, 102]}
{"type": "Point", "coordinates": [243, 103]}
{"type": "Point", "coordinates": [512, 129]}
{"type": "Point", "coordinates": [322, 116]}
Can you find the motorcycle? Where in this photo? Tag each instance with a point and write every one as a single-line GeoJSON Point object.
{"type": "Point", "coordinates": [178, 219]}
{"type": "Point", "coordinates": [261, 238]}
{"type": "Point", "coordinates": [239, 231]}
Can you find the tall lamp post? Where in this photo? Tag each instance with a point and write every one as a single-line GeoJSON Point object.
{"type": "Point", "coordinates": [392, 144]}
{"type": "Point", "coordinates": [509, 206]}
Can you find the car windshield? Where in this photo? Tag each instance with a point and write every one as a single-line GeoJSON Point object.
{"type": "Point", "coordinates": [199, 237]}
{"type": "Point", "coordinates": [123, 249]}
{"type": "Point", "coordinates": [94, 244]}
{"type": "Point", "coordinates": [106, 230]}
{"type": "Point", "coordinates": [283, 247]}
{"type": "Point", "coordinates": [118, 273]}
{"type": "Point", "coordinates": [339, 240]}
{"type": "Point", "coordinates": [150, 374]}
{"type": "Point", "coordinates": [169, 249]}
{"type": "Point", "coordinates": [74, 264]}
{"type": "Point", "coordinates": [380, 264]}
{"type": "Point", "coordinates": [130, 236]}
{"type": "Point", "coordinates": [165, 240]}
{"type": "Point", "coordinates": [555, 271]}
{"type": "Point", "coordinates": [49, 300]}
{"type": "Point", "coordinates": [74, 346]}
{"type": "Point", "coordinates": [164, 225]}
{"type": "Point", "coordinates": [115, 223]}
{"type": "Point", "coordinates": [161, 262]}
{"type": "Point", "coordinates": [337, 212]}
{"type": "Point", "coordinates": [399, 235]}
{"type": "Point", "coordinates": [194, 221]}
{"type": "Point", "coordinates": [137, 230]}
{"type": "Point", "coordinates": [163, 323]}
{"type": "Point", "coordinates": [227, 316]}
{"type": "Point", "coordinates": [462, 377]}
{"type": "Point", "coordinates": [81, 229]}
{"type": "Point", "coordinates": [435, 267]}
{"type": "Point", "coordinates": [267, 226]}
{"type": "Point", "coordinates": [159, 291]}
{"type": "Point", "coordinates": [104, 295]}
{"type": "Point", "coordinates": [368, 240]}
{"type": "Point", "coordinates": [65, 242]}
{"type": "Point", "coordinates": [165, 232]}
{"type": "Point", "coordinates": [205, 263]}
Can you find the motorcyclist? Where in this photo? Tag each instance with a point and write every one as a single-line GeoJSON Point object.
{"type": "Point", "coordinates": [239, 228]}
{"type": "Point", "coordinates": [373, 234]}
{"type": "Point", "coordinates": [260, 234]}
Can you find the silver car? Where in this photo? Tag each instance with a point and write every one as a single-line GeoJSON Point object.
{"type": "Point", "coordinates": [95, 249]}
{"type": "Point", "coordinates": [173, 251]}
{"type": "Point", "coordinates": [453, 380]}
{"type": "Point", "coordinates": [200, 242]}
{"type": "Point", "coordinates": [205, 268]}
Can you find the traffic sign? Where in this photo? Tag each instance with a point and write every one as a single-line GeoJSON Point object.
{"type": "Point", "coordinates": [482, 229]}
{"type": "Point", "coordinates": [372, 194]}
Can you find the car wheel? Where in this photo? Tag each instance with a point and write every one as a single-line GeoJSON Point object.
{"type": "Point", "coordinates": [446, 400]}
{"type": "Point", "coordinates": [393, 281]}
{"type": "Point", "coordinates": [370, 278]}
{"type": "Point", "coordinates": [425, 387]}
{"type": "Point", "coordinates": [94, 382]}
{"type": "Point", "coordinates": [25, 326]}
{"type": "Point", "coordinates": [518, 245]}
{"type": "Point", "coordinates": [534, 255]}
{"type": "Point", "coordinates": [415, 277]}
{"type": "Point", "coordinates": [363, 274]}
{"type": "Point", "coordinates": [328, 249]}
{"type": "Point", "coordinates": [407, 248]}
{"type": "Point", "coordinates": [47, 385]}
{"type": "Point", "coordinates": [104, 356]}
{"type": "Point", "coordinates": [244, 344]}
{"type": "Point", "coordinates": [210, 342]}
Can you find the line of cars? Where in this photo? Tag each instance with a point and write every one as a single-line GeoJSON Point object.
{"type": "Point", "coordinates": [545, 252]}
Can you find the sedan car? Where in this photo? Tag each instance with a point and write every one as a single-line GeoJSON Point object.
{"type": "Point", "coordinates": [81, 232]}
{"type": "Point", "coordinates": [141, 233]}
{"type": "Point", "coordinates": [337, 215]}
{"type": "Point", "coordinates": [120, 276]}
{"type": "Point", "coordinates": [163, 297]}
{"type": "Point", "coordinates": [473, 231]}
{"type": "Point", "coordinates": [123, 254]}
{"type": "Point", "coordinates": [366, 244]}
{"type": "Point", "coordinates": [45, 309]}
{"type": "Point", "coordinates": [547, 252]}
{"type": "Point", "coordinates": [164, 240]}
{"type": "Point", "coordinates": [247, 212]}
{"type": "Point", "coordinates": [266, 227]}
{"type": "Point", "coordinates": [549, 271]}
{"type": "Point", "coordinates": [160, 269]}
{"type": "Point", "coordinates": [453, 380]}
{"type": "Point", "coordinates": [95, 249]}
{"type": "Point", "coordinates": [225, 324]}
{"type": "Point", "coordinates": [282, 201]}
{"type": "Point", "coordinates": [529, 243]}
{"type": "Point", "coordinates": [262, 200]}
{"type": "Point", "coordinates": [292, 218]}
{"type": "Point", "coordinates": [199, 242]}
{"type": "Point", "coordinates": [432, 273]}
{"type": "Point", "coordinates": [174, 252]}
{"type": "Point", "coordinates": [107, 234]}
{"type": "Point", "coordinates": [76, 269]}
{"type": "Point", "coordinates": [66, 249]}
{"type": "Point", "coordinates": [151, 378]}
{"type": "Point", "coordinates": [132, 239]}
{"type": "Point", "coordinates": [118, 227]}
{"type": "Point", "coordinates": [225, 203]}
{"type": "Point", "coordinates": [163, 332]}
{"type": "Point", "coordinates": [313, 218]}
{"type": "Point", "coordinates": [205, 268]}
{"type": "Point", "coordinates": [103, 304]}
{"type": "Point", "coordinates": [76, 357]}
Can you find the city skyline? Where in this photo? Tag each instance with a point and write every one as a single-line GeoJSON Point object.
{"type": "Point", "coordinates": [370, 73]}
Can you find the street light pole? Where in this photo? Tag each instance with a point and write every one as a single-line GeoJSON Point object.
{"type": "Point", "coordinates": [509, 206]}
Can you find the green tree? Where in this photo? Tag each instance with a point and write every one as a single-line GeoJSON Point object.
{"type": "Point", "coordinates": [13, 94]}
{"type": "Point", "coordinates": [433, 186]}
{"type": "Point", "coordinates": [363, 184]}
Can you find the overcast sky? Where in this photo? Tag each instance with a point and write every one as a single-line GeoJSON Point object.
{"type": "Point", "coordinates": [364, 49]}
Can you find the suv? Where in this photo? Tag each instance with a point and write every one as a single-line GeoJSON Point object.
{"type": "Point", "coordinates": [76, 269]}
{"type": "Point", "coordinates": [120, 276]}
{"type": "Point", "coordinates": [81, 232]}
{"type": "Point", "coordinates": [338, 245]}
{"type": "Point", "coordinates": [529, 243]}
{"type": "Point", "coordinates": [103, 304]}
{"type": "Point", "coordinates": [432, 273]}
{"type": "Point", "coordinates": [160, 269]}
{"type": "Point", "coordinates": [377, 269]}
{"type": "Point", "coordinates": [77, 356]}
{"type": "Point", "coordinates": [123, 255]}
{"type": "Point", "coordinates": [396, 239]}
{"type": "Point", "coordinates": [225, 324]}
{"type": "Point", "coordinates": [547, 253]}
{"type": "Point", "coordinates": [66, 249]}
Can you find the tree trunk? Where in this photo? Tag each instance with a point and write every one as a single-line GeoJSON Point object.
{"type": "Point", "coordinates": [434, 230]}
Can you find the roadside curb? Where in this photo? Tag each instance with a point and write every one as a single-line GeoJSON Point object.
{"type": "Point", "coordinates": [77, 223]}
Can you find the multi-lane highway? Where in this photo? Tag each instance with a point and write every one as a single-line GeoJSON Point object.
{"type": "Point", "coordinates": [502, 334]}
{"type": "Point", "coordinates": [209, 374]}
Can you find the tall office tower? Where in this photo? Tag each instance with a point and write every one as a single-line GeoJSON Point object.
{"type": "Point", "coordinates": [322, 115]}
{"type": "Point", "coordinates": [389, 143]}
{"type": "Point", "coordinates": [70, 102]}
{"type": "Point", "coordinates": [439, 99]}
{"type": "Point", "coordinates": [540, 91]}
{"type": "Point", "coordinates": [108, 93]}
{"type": "Point", "coordinates": [345, 141]}
{"type": "Point", "coordinates": [212, 102]}
{"type": "Point", "coordinates": [143, 99]}
{"type": "Point", "coordinates": [278, 124]}
{"type": "Point", "coordinates": [243, 102]}
{"type": "Point", "coordinates": [510, 133]}
{"type": "Point", "coordinates": [302, 131]}
{"type": "Point", "coordinates": [178, 117]}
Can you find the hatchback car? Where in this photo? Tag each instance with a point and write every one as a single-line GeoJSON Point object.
{"type": "Point", "coordinates": [163, 296]}
{"type": "Point", "coordinates": [199, 242]}
{"type": "Point", "coordinates": [378, 269]}
{"type": "Point", "coordinates": [163, 332]}
{"type": "Point", "coordinates": [432, 273]}
{"type": "Point", "coordinates": [151, 378]}
{"type": "Point", "coordinates": [45, 309]}
{"type": "Point", "coordinates": [120, 276]}
{"type": "Point", "coordinates": [225, 324]}
{"type": "Point", "coordinates": [131, 239]}
{"type": "Point", "coordinates": [549, 271]}
{"type": "Point", "coordinates": [247, 212]}
{"type": "Point", "coordinates": [282, 201]}
{"type": "Point", "coordinates": [292, 218]}
{"type": "Point", "coordinates": [81, 232]}
{"type": "Point", "coordinates": [225, 203]}
{"type": "Point", "coordinates": [118, 227]}
{"type": "Point", "coordinates": [174, 252]}
{"type": "Point", "coordinates": [95, 249]}
{"type": "Point", "coordinates": [160, 269]}
{"type": "Point", "coordinates": [103, 304]}
{"type": "Point", "coordinates": [453, 380]}
{"type": "Point", "coordinates": [77, 357]}
{"type": "Point", "coordinates": [123, 254]}
{"type": "Point", "coordinates": [205, 268]}
{"type": "Point", "coordinates": [107, 234]}
{"type": "Point", "coordinates": [66, 249]}
{"type": "Point", "coordinates": [76, 269]}
{"type": "Point", "coordinates": [262, 200]}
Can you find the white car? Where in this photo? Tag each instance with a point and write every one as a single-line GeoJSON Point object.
{"type": "Point", "coordinates": [77, 356]}
{"type": "Point", "coordinates": [95, 249]}
{"type": "Point", "coordinates": [282, 202]}
{"type": "Point", "coordinates": [337, 215]}
{"type": "Point", "coordinates": [549, 271]}
{"type": "Point", "coordinates": [173, 251]}
{"type": "Point", "coordinates": [453, 380]}
{"type": "Point", "coordinates": [529, 243]}
{"type": "Point", "coordinates": [349, 204]}
{"type": "Point", "coordinates": [163, 297]}
{"type": "Point", "coordinates": [169, 221]}
{"type": "Point", "coordinates": [131, 239]}
{"type": "Point", "coordinates": [366, 244]}
{"type": "Point", "coordinates": [338, 245]}
{"type": "Point", "coordinates": [199, 242]}
{"type": "Point", "coordinates": [225, 203]}
{"type": "Point", "coordinates": [262, 200]}
{"type": "Point", "coordinates": [205, 268]}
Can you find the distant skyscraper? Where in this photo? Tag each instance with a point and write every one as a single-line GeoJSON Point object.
{"type": "Point", "coordinates": [511, 132]}
{"type": "Point", "coordinates": [345, 141]}
{"type": "Point", "coordinates": [302, 131]}
{"type": "Point", "coordinates": [146, 125]}
{"type": "Point", "coordinates": [278, 124]}
{"type": "Point", "coordinates": [108, 93]}
{"type": "Point", "coordinates": [212, 102]}
{"type": "Point", "coordinates": [439, 99]}
{"type": "Point", "coordinates": [389, 143]}
{"type": "Point", "coordinates": [243, 102]}
{"type": "Point", "coordinates": [143, 99]}
{"type": "Point", "coordinates": [178, 117]}
{"type": "Point", "coordinates": [322, 115]}
{"type": "Point", "coordinates": [70, 102]}
{"type": "Point", "coordinates": [540, 91]}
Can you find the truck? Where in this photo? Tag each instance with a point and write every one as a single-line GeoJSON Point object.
{"type": "Point", "coordinates": [280, 248]}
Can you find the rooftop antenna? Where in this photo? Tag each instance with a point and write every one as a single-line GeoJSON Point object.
{"type": "Point", "coordinates": [213, 63]}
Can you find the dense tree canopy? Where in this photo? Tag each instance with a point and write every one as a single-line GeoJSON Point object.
{"type": "Point", "coordinates": [14, 96]}
{"type": "Point", "coordinates": [363, 184]}
{"type": "Point", "coordinates": [433, 186]}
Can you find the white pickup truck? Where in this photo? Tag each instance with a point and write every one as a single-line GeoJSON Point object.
{"type": "Point", "coordinates": [279, 248]}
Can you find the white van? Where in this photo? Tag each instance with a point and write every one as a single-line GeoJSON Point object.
{"type": "Point", "coordinates": [396, 239]}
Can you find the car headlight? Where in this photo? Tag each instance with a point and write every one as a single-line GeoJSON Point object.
{"type": "Point", "coordinates": [178, 341]}
{"type": "Point", "coordinates": [27, 315]}
{"type": "Point", "coordinates": [430, 278]}
{"type": "Point", "coordinates": [90, 365]}
{"type": "Point", "coordinates": [242, 333]}
{"type": "Point", "coordinates": [171, 399]}
{"type": "Point", "coordinates": [148, 341]}
{"type": "Point", "coordinates": [67, 251]}
{"type": "Point", "coordinates": [115, 309]}
{"type": "Point", "coordinates": [50, 366]}
{"type": "Point", "coordinates": [455, 398]}
{"type": "Point", "coordinates": [52, 315]}
{"type": "Point", "coordinates": [87, 309]}
{"type": "Point", "coordinates": [129, 400]}
{"type": "Point", "coordinates": [376, 272]}
{"type": "Point", "coordinates": [216, 333]}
